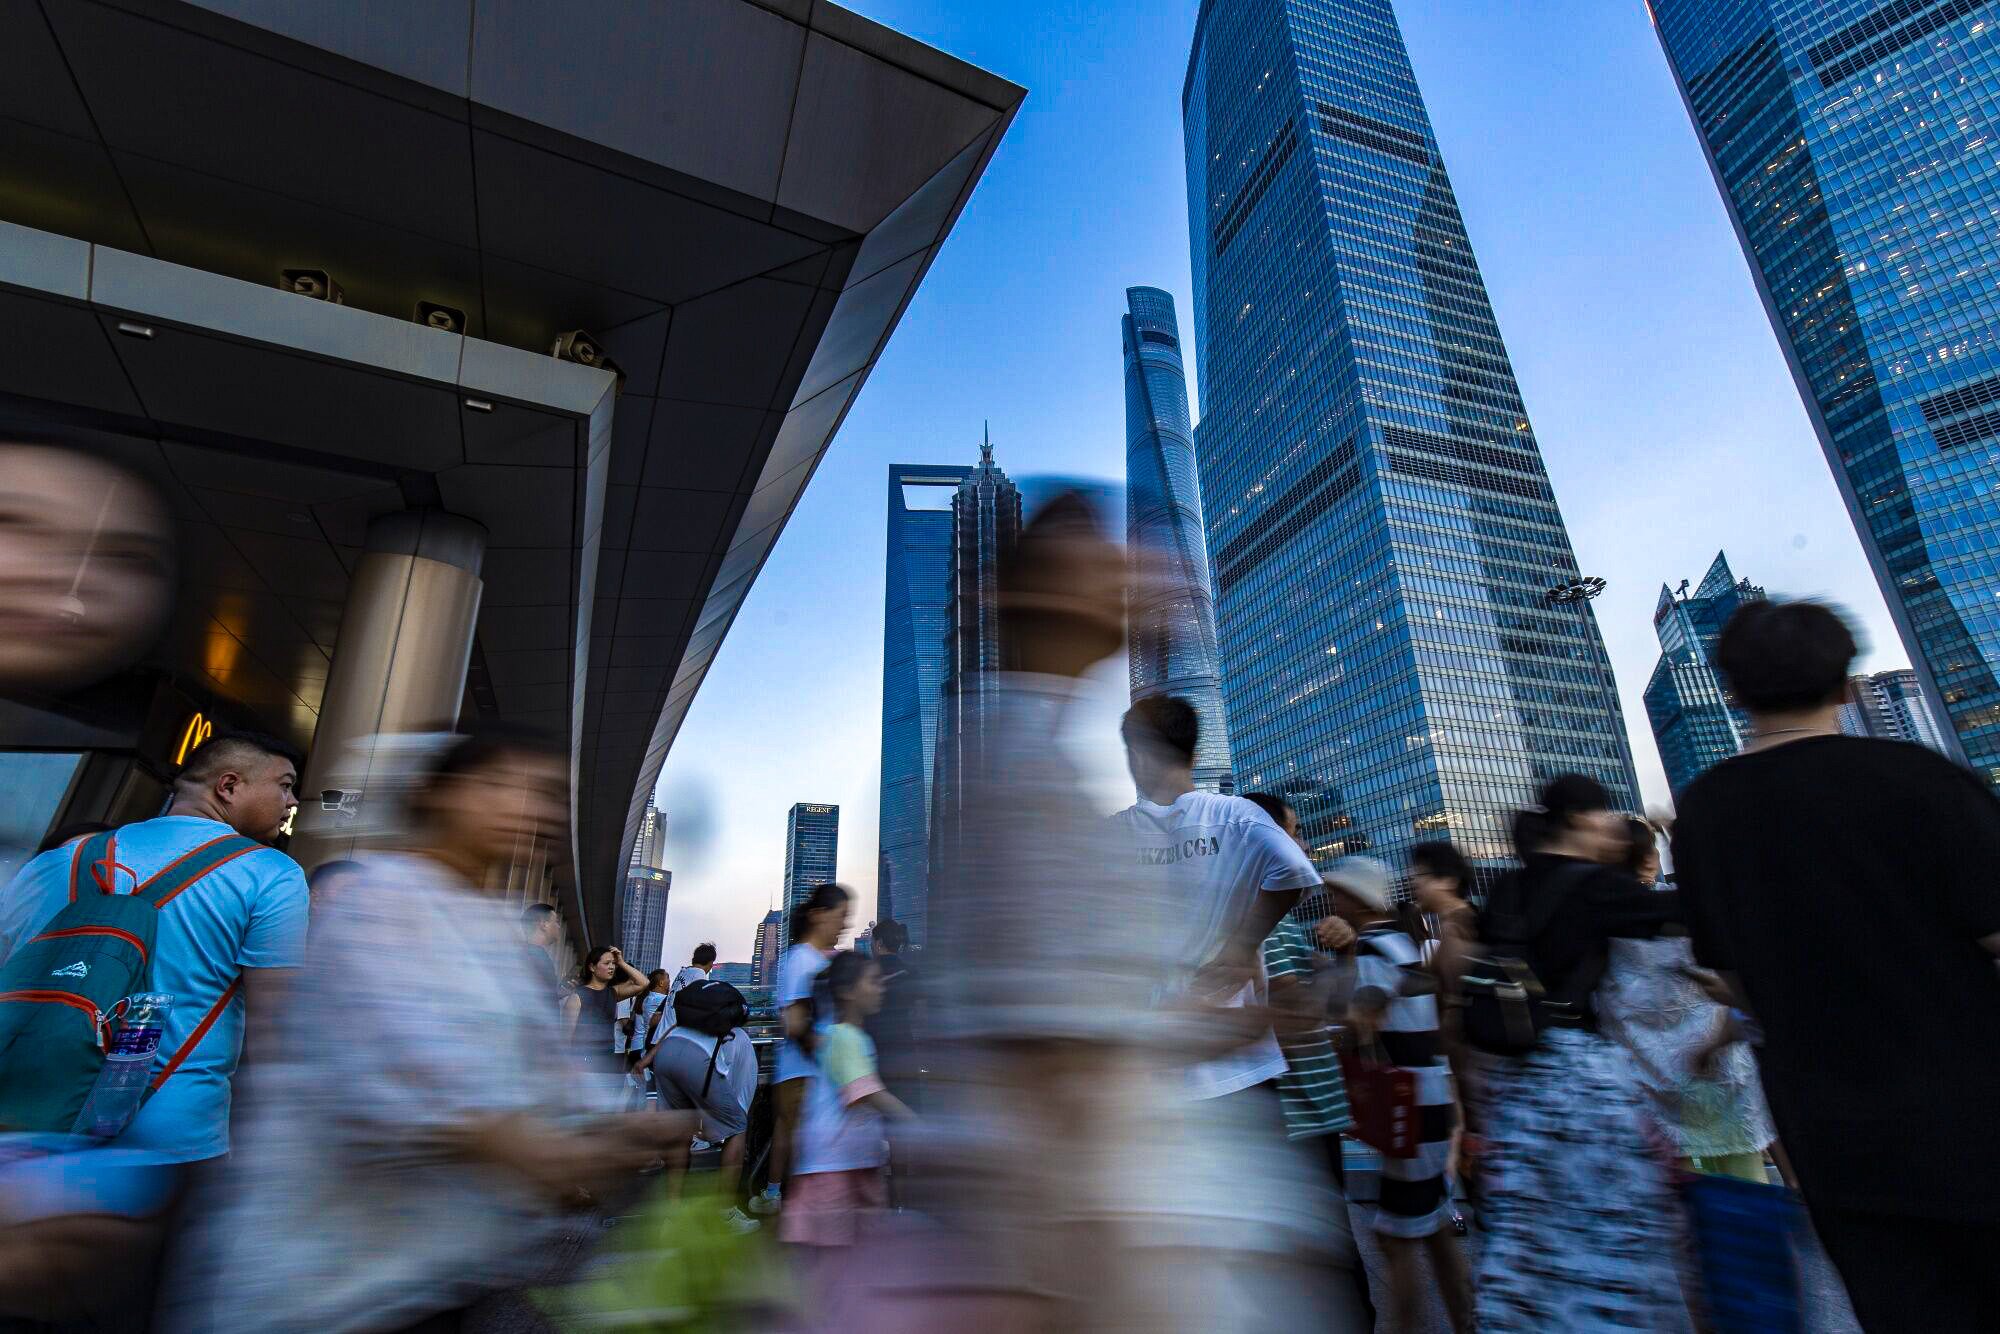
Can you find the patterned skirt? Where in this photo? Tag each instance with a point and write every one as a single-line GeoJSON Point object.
{"type": "Point", "coordinates": [1583, 1229]}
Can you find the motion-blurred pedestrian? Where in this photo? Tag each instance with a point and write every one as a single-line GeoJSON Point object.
{"type": "Point", "coordinates": [1394, 1011]}
{"type": "Point", "coordinates": [1581, 1222]}
{"type": "Point", "coordinates": [1699, 1075]}
{"type": "Point", "coordinates": [405, 1159]}
{"type": "Point", "coordinates": [1847, 889]}
{"type": "Point", "coordinates": [816, 925]}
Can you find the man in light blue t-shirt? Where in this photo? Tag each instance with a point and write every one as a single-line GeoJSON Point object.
{"type": "Point", "coordinates": [221, 945]}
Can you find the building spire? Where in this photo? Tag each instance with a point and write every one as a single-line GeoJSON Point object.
{"type": "Point", "coordinates": [985, 444]}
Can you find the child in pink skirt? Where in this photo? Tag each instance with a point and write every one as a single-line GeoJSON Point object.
{"type": "Point", "coordinates": [836, 1177]}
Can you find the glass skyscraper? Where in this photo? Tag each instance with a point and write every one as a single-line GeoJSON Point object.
{"type": "Point", "coordinates": [812, 849]}
{"type": "Point", "coordinates": [1172, 613]}
{"type": "Point", "coordinates": [643, 916]}
{"type": "Point", "coordinates": [916, 619]}
{"type": "Point", "coordinates": [1693, 720]}
{"type": "Point", "coordinates": [985, 526]}
{"type": "Point", "coordinates": [1381, 528]}
{"type": "Point", "coordinates": [1854, 144]}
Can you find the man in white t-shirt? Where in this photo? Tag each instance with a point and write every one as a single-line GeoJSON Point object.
{"type": "Point", "coordinates": [1229, 875]}
{"type": "Point", "coordinates": [1231, 872]}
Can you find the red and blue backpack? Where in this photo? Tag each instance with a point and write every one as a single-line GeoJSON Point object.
{"type": "Point", "coordinates": [63, 991]}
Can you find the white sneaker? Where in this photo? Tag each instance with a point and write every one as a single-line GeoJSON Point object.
{"type": "Point", "coordinates": [767, 1203]}
{"type": "Point", "coordinates": [738, 1222]}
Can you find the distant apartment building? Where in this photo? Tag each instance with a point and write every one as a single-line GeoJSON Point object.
{"type": "Point", "coordinates": [1891, 705]}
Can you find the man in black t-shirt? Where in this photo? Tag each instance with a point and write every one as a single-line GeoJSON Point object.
{"type": "Point", "coordinates": [895, 1026]}
{"type": "Point", "coordinates": [1850, 890]}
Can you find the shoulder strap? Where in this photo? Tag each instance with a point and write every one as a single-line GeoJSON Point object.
{"type": "Point", "coordinates": [93, 865]}
{"type": "Point", "coordinates": [191, 866]}
{"type": "Point", "coordinates": [186, 1049]}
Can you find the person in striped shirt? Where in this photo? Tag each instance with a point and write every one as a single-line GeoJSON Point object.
{"type": "Point", "coordinates": [1395, 1005]}
{"type": "Point", "coordinates": [1312, 1091]}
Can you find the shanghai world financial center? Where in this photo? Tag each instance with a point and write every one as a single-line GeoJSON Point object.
{"type": "Point", "coordinates": [1853, 141]}
{"type": "Point", "coordinates": [1382, 533]}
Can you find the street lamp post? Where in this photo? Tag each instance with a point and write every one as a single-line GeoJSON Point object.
{"type": "Point", "coordinates": [1579, 591]}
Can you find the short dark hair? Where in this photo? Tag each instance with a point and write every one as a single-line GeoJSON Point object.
{"type": "Point", "coordinates": [1779, 656]}
{"type": "Point", "coordinates": [230, 749]}
{"type": "Point", "coordinates": [843, 970]}
{"type": "Point", "coordinates": [704, 954]}
{"type": "Point", "coordinates": [891, 935]}
{"type": "Point", "coordinates": [535, 914]}
{"type": "Point", "coordinates": [1442, 860]}
{"type": "Point", "coordinates": [1272, 805]}
{"type": "Point", "coordinates": [1166, 720]}
{"type": "Point", "coordinates": [1567, 796]}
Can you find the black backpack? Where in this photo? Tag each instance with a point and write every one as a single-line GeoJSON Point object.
{"type": "Point", "coordinates": [1503, 1007]}
{"type": "Point", "coordinates": [710, 1007]}
{"type": "Point", "coordinates": [713, 1009]}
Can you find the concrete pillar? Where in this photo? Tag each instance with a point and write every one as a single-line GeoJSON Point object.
{"type": "Point", "coordinates": [398, 666]}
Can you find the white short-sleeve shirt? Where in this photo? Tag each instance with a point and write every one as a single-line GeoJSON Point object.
{"type": "Point", "coordinates": [1217, 854]}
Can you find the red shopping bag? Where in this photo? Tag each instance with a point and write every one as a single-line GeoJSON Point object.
{"type": "Point", "coordinates": [1383, 1098]}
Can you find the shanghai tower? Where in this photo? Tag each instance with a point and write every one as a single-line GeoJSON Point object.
{"type": "Point", "coordinates": [1386, 546]}
{"type": "Point", "coordinates": [1172, 613]}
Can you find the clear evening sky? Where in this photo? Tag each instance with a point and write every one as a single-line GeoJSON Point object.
{"type": "Point", "coordinates": [1662, 403]}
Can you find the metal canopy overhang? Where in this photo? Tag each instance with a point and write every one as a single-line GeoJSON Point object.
{"type": "Point", "coordinates": [739, 198]}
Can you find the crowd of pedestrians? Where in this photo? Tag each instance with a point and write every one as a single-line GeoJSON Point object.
{"type": "Point", "coordinates": [1141, 1078]}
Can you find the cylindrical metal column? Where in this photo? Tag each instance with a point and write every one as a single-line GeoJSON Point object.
{"type": "Point", "coordinates": [398, 666]}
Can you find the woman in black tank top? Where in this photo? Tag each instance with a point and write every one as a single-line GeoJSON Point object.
{"type": "Point", "coordinates": [591, 1011]}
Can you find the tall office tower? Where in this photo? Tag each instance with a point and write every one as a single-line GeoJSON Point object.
{"type": "Point", "coordinates": [812, 849]}
{"type": "Point", "coordinates": [1172, 612]}
{"type": "Point", "coordinates": [985, 526]}
{"type": "Point", "coordinates": [1853, 144]}
{"type": "Point", "coordinates": [1891, 705]}
{"type": "Point", "coordinates": [768, 949]}
{"type": "Point", "coordinates": [642, 925]}
{"type": "Point", "coordinates": [1384, 540]}
{"type": "Point", "coordinates": [649, 848]}
{"type": "Point", "coordinates": [1692, 718]}
{"type": "Point", "coordinates": [916, 617]}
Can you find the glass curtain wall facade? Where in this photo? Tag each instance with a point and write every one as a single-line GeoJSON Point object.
{"type": "Point", "coordinates": [812, 849]}
{"type": "Point", "coordinates": [1380, 524]}
{"type": "Point", "coordinates": [985, 526]}
{"type": "Point", "coordinates": [1853, 142]}
{"type": "Point", "coordinates": [1693, 720]}
{"type": "Point", "coordinates": [915, 621]}
{"type": "Point", "coordinates": [1173, 649]}
{"type": "Point", "coordinates": [642, 932]}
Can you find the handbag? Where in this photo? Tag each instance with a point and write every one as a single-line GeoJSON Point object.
{"type": "Point", "coordinates": [1743, 1236]}
{"type": "Point", "coordinates": [1383, 1100]}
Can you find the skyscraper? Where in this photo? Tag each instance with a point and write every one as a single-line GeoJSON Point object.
{"type": "Point", "coordinates": [1890, 705]}
{"type": "Point", "coordinates": [1692, 718]}
{"type": "Point", "coordinates": [1853, 144]}
{"type": "Point", "coordinates": [642, 924]}
{"type": "Point", "coordinates": [649, 848]}
{"type": "Point", "coordinates": [1172, 612]}
{"type": "Point", "coordinates": [916, 618]}
{"type": "Point", "coordinates": [1383, 534]}
{"type": "Point", "coordinates": [812, 849]}
{"type": "Point", "coordinates": [985, 526]}
{"type": "Point", "coordinates": [768, 949]}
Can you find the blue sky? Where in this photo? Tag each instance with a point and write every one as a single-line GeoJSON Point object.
{"type": "Point", "coordinates": [1668, 419]}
